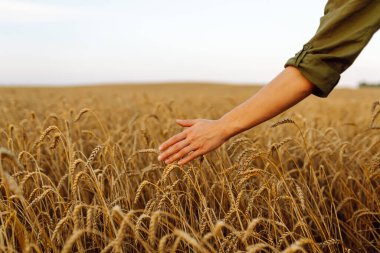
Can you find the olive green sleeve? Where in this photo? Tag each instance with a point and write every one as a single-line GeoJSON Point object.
{"type": "Point", "coordinates": [344, 30]}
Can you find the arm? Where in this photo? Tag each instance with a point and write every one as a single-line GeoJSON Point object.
{"type": "Point", "coordinates": [344, 30]}
{"type": "Point", "coordinates": [285, 90]}
{"type": "Point", "coordinates": [203, 136]}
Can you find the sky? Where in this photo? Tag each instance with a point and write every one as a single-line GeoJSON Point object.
{"type": "Point", "coordinates": [70, 42]}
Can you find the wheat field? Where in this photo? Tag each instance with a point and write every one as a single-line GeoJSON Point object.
{"type": "Point", "coordinates": [79, 173]}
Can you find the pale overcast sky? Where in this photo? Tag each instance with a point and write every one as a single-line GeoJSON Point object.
{"type": "Point", "coordinates": [92, 41]}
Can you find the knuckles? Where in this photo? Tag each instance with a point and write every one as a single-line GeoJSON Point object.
{"type": "Point", "coordinates": [190, 138]}
{"type": "Point", "coordinates": [175, 146]}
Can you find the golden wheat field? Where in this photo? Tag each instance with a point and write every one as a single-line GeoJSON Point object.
{"type": "Point", "coordinates": [79, 173]}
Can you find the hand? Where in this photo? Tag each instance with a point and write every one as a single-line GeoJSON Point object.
{"type": "Point", "coordinates": [200, 137]}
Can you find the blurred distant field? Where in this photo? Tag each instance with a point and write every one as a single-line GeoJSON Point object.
{"type": "Point", "coordinates": [79, 173]}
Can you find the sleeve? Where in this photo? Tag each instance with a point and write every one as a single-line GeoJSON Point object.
{"type": "Point", "coordinates": [343, 32]}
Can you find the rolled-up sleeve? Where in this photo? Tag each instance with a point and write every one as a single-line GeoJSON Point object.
{"type": "Point", "coordinates": [344, 30]}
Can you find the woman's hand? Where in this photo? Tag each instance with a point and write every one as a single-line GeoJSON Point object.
{"type": "Point", "coordinates": [200, 137]}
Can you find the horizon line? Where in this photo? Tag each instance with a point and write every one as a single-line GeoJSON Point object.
{"type": "Point", "coordinates": [120, 83]}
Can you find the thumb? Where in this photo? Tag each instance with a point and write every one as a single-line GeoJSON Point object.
{"type": "Point", "coordinates": [185, 122]}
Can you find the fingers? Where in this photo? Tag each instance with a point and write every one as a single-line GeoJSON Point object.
{"type": "Point", "coordinates": [176, 138]}
{"type": "Point", "coordinates": [185, 122]}
{"type": "Point", "coordinates": [173, 149]}
{"type": "Point", "coordinates": [190, 157]}
{"type": "Point", "coordinates": [181, 153]}
{"type": "Point", "coordinates": [176, 145]}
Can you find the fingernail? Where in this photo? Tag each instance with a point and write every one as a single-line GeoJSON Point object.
{"type": "Point", "coordinates": [160, 147]}
{"type": "Point", "coordinates": [159, 158]}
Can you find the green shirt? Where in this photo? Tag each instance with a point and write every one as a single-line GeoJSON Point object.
{"type": "Point", "coordinates": [343, 32]}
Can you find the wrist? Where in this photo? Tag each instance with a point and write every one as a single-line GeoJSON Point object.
{"type": "Point", "coordinates": [228, 127]}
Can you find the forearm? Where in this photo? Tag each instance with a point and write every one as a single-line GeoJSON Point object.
{"type": "Point", "coordinates": [284, 91]}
